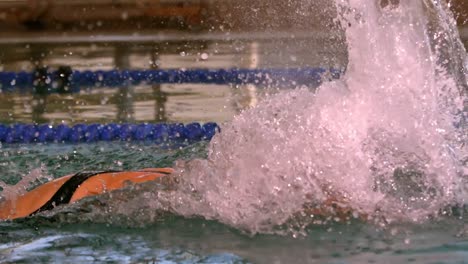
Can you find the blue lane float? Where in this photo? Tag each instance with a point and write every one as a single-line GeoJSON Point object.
{"type": "Point", "coordinates": [66, 80]}
{"type": "Point", "coordinates": [157, 133]}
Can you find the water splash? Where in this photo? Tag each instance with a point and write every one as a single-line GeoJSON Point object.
{"type": "Point", "coordinates": [388, 138]}
{"type": "Point", "coordinates": [34, 178]}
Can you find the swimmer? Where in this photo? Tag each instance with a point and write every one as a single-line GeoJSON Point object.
{"type": "Point", "coordinates": [71, 188]}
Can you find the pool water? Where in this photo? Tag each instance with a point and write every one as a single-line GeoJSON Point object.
{"type": "Point", "coordinates": [178, 240]}
{"type": "Point", "coordinates": [174, 239]}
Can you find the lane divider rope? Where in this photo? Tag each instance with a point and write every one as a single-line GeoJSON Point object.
{"type": "Point", "coordinates": [65, 80]}
{"type": "Point", "coordinates": [157, 133]}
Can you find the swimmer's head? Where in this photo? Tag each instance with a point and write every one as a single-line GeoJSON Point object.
{"type": "Point", "coordinates": [408, 185]}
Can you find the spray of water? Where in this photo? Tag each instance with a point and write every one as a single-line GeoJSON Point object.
{"type": "Point", "coordinates": [388, 138]}
{"type": "Point", "coordinates": [27, 182]}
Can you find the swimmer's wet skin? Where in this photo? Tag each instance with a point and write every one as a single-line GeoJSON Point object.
{"type": "Point", "coordinates": [71, 188]}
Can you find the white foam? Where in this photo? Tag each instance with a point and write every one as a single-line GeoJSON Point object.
{"type": "Point", "coordinates": [383, 137]}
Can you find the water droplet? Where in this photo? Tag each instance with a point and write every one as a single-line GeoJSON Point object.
{"type": "Point", "coordinates": [204, 56]}
{"type": "Point", "coordinates": [124, 15]}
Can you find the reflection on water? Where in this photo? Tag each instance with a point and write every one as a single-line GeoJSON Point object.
{"type": "Point", "coordinates": [166, 102]}
{"type": "Point", "coordinates": [169, 102]}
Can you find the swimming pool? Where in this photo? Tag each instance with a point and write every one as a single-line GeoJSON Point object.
{"type": "Point", "coordinates": [174, 239]}
{"type": "Point", "coordinates": [132, 227]}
